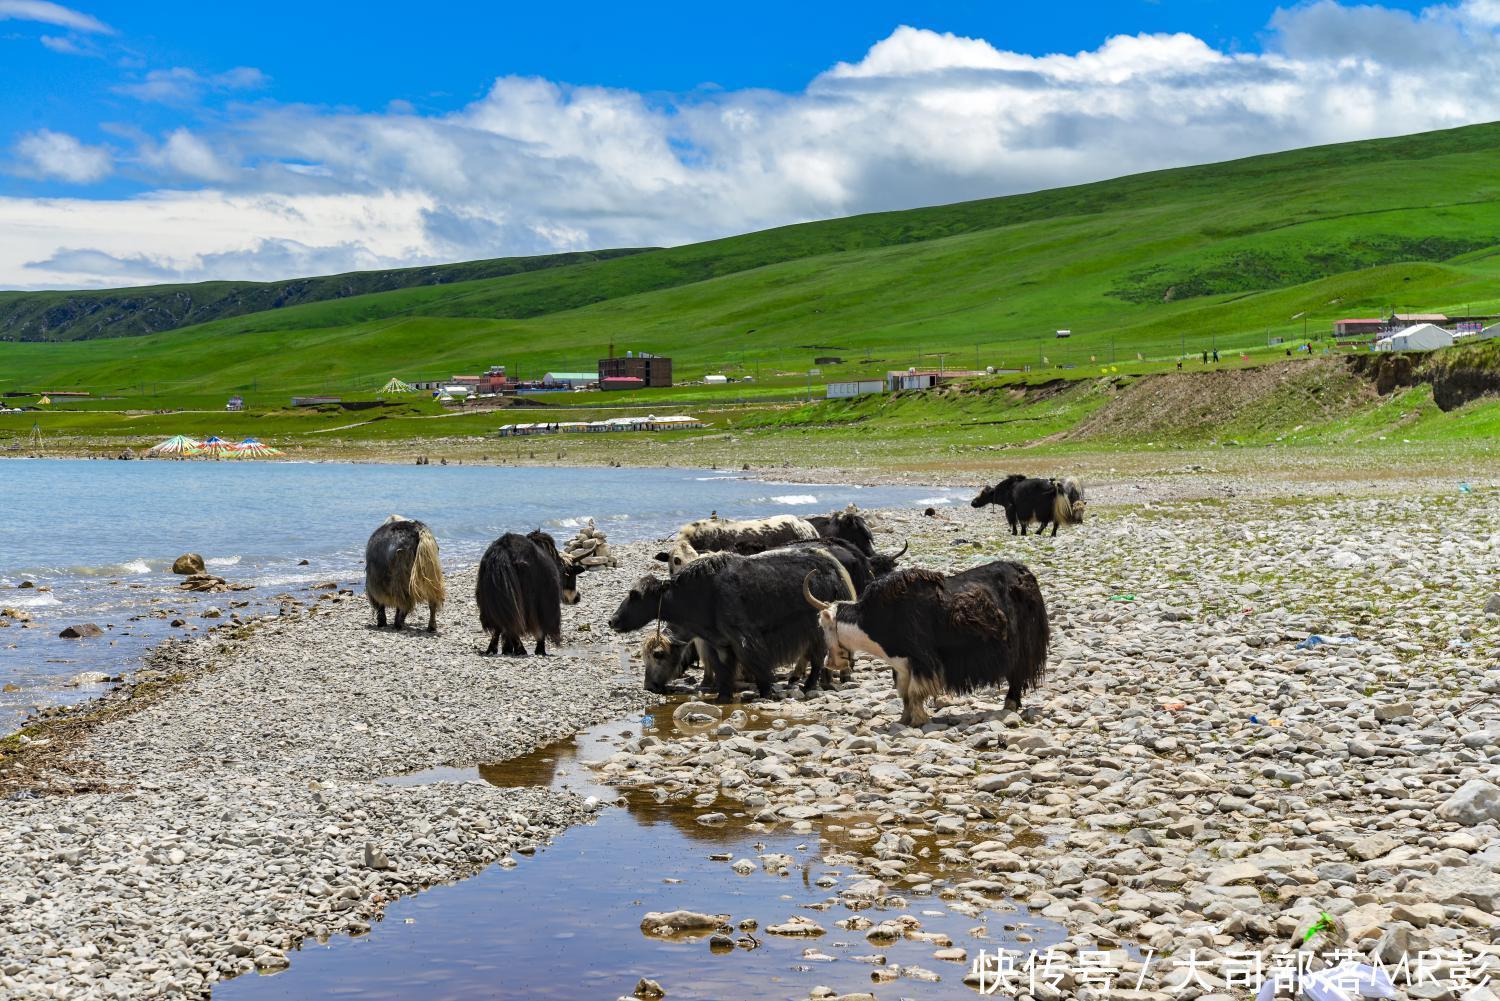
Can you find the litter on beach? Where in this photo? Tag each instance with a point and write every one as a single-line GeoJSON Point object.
{"type": "Point", "coordinates": [1315, 640]}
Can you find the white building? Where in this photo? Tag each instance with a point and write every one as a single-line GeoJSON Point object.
{"type": "Point", "coordinates": [1418, 337]}
{"type": "Point", "coordinates": [846, 390]}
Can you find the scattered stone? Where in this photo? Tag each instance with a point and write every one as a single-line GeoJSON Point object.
{"type": "Point", "coordinates": [188, 564]}
{"type": "Point", "coordinates": [85, 630]}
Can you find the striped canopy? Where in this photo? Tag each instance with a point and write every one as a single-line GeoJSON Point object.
{"type": "Point", "coordinates": [215, 447]}
{"type": "Point", "coordinates": [250, 448]}
{"type": "Point", "coordinates": [397, 386]}
{"type": "Point", "coordinates": [178, 444]}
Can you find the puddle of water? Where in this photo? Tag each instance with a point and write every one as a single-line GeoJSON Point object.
{"type": "Point", "coordinates": [566, 923]}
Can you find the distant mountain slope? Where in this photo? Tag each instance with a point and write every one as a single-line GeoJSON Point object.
{"type": "Point", "coordinates": [127, 312]}
{"type": "Point", "coordinates": [1174, 262]}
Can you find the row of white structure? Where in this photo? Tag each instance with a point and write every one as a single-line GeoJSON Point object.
{"type": "Point", "coordinates": [652, 423]}
{"type": "Point", "coordinates": [1430, 337]}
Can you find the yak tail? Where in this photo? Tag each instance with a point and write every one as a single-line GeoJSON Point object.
{"type": "Point", "coordinates": [1030, 634]}
{"type": "Point", "coordinates": [426, 585]}
{"type": "Point", "coordinates": [1062, 508]}
{"type": "Point", "coordinates": [498, 592]}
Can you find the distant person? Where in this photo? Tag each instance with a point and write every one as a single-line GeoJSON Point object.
{"type": "Point", "coordinates": [1216, 357]}
{"type": "Point", "coordinates": [1205, 357]}
{"type": "Point", "coordinates": [1179, 364]}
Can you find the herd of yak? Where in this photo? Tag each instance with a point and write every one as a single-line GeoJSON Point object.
{"type": "Point", "coordinates": [744, 598]}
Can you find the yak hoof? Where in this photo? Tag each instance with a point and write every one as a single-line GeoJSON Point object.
{"type": "Point", "coordinates": [724, 698]}
{"type": "Point", "coordinates": [1013, 704]}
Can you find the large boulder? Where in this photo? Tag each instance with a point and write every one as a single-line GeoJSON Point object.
{"type": "Point", "coordinates": [188, 563]}
{"type": "Point", "coordinates": [82, 631]}
{"type": "Point", "coordinates": [1475, 802]}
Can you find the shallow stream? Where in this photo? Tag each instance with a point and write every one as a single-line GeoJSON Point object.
{"type": "Point", "coordinates": [566, 923]}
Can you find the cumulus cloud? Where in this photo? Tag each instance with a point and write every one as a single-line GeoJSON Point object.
{"type": "Point", "coordinates": [184, 85]}
{"type": "Point", "coordinates": [198, 235]}
{"type": "Point", "coordinates": [924, 117]}
{"type": "Point", "coordinates": [52, 155]}
{"type": "Point", "coordinates": [184, 156]}
{"type": "Point", "coordinates": [43, 12]}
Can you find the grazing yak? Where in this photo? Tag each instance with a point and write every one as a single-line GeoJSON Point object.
{"type": "Point", "coordinates": [1059, 502]}
{"type": "Point", "coordinates": [746, 610]}
{"type": "Point", "coordinates": [402, 571]}
{"type": "Point", "coordinates": [667, 659]}
{"type": "Point", "coordinates": [944, 634]}
{"type": "Point", "coordinates": [522, 583]}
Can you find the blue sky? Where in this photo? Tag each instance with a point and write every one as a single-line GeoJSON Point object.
{"type": "Point", "coordinates": [167, 140]}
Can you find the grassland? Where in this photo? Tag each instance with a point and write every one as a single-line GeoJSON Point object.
{"type": "Point", "coordinates": [1143, 270]}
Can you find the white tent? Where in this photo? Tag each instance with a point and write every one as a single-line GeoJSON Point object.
{"type": "Point", "coordinates": [1419, 337]}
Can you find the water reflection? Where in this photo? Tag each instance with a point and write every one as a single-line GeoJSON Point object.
{"type": "Point", "coordinates": [567, 923]}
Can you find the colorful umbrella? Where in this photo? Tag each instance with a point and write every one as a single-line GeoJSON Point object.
{"type": "Point", "coordinates": [178, 444]}
{"type": "Point", "coordinates": [253, 449]}
{"type": "Point", "coordinates": [215, 447]}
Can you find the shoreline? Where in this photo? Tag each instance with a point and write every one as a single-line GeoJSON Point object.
{"type": "Point", "coordinates": [217, 825]}
{"type": "Point", "coordinates": [235, 808]}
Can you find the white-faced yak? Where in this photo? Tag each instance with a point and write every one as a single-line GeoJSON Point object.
{"type": "Point", "coordinates": [747, 610]}
{"type": "Point", "coordinates": [522, 583]}
{"type": "Point", "coordinates": [945, 635]}
{"type": "Point", "coordinates": [402, 571]}
{"type": "Point", "coordinates": [1025, 501]}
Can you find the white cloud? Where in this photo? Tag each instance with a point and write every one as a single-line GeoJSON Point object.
{"type": "Point", "coordinates": [923, 118]}
{"type": "Point", "coordinates": [58, 156]}
{"type": "Point", "coordinates": [196, 235]}
{"type": "Point", "coordinates": [184, 156]}
{"type": "Point", "coordinates": [184, 85]}
{"type": "Point", "coordinates": [43, 12]}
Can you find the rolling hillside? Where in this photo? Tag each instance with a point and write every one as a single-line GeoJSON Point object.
{"type": "Point", "coordinates": [127, 312]}
{"type": "Point", "coordinates": [1220, 256]}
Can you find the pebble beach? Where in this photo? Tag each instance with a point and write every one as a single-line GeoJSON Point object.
{"type": "Point", "coordinates": [1262, 708]}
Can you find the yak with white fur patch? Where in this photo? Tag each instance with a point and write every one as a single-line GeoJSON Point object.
{"type": "Point", "coordinates": [1027, 501]}
{"type": "Point", "coordinates": [402, 571]}
{"type": "Point", "coordinates": [945, 635]}
{"type": "Point", "coordinates": [520, 588]}
{"type": "Point", "coordinates": [746, 537]}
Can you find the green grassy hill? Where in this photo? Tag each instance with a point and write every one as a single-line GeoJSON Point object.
{"type": "Point", "coordinates": [127, 312]}
{"type": "Point", "coordinates": [1222, 256]}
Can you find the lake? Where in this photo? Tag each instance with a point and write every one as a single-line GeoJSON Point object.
{"type": "Point", "coordinates": [98, 538]}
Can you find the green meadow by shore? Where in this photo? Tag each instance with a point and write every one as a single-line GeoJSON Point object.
{"type": "Point", "coordinates": [1252, 259]}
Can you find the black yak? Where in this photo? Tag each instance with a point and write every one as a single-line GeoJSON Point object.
{"type": "Point", "coordinates": [945, 634]}
{"type": "Point", "coordinates": [522, 584]}
{"type": "Point", "coordinates": [1059, 502]}
{"type": "Point", "coordinates": [850, 526]}
{"type": "Point", "coordinates": [746, 610]}
{"type": "Point", "coordinates": [855, 563]}
{"type": "Point", "coordinates": [402, 571]}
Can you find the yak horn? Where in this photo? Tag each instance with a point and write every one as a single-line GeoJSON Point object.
{"type": "Point", "coordinates": [905, 545]}
{"type": "Point", "coordinates": [812, 599]}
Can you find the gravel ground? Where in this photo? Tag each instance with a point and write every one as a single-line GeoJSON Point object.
{"type": "Point", "coordinates": [1189, 781]}
{"type": "Point", "coordinates": [1188, 778]}
{"type": "Point", "coordinates": [241, 805]}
